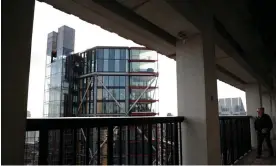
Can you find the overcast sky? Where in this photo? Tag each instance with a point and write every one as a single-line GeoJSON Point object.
{"type": "Point", "coordinates": [47, 19]}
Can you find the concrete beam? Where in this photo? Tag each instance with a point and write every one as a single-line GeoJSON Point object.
{"type": "Point", "coordinates": [95, 13]}
{"type": "Point", "coordinates": [192, 10]}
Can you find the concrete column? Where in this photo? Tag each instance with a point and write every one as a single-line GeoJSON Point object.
{"type": "Point", "coordinates": [16, 45]}
{"type": "Point", "coordinates": [273, 104]}
{"type": "Point", "coordinates": [253, 101]}
{"type": "Point", "coordinates": [267, 104]}
{"type": "Point", "coordinates": [197, 100]}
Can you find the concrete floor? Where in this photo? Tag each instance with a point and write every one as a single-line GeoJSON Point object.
{"type": "Point", "coordinates": [250, 159]}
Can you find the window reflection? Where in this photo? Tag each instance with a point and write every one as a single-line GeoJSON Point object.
{"type": "Point", "coordinates": [143, 66]}
{"type": "Point", "coordinates": [143, 54]}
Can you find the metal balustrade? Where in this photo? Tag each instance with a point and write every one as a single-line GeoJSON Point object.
{"type": "Point", "coordinates": [135, 140]}
{"type": "Point", "coordinates": [128, 140]}
{"type": "Point", "coordinates": [235, 138]}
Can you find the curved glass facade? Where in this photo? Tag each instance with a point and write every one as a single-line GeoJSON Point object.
{"type": "Point", "coordinates": [122, 77]}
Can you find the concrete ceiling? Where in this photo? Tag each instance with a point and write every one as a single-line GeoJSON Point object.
{"type": "Point", "coordinates": [156, 24]}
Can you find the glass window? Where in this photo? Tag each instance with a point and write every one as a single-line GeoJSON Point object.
{"type": "Point", "coordinates": [105, 105]}
{"type": "Point", "coordinates": [127, 54]}
{"type": "Point", "coordinates": [135, 54]}
{"type": "Point", "coordinates": [100, 94]}
{"type": "Point", "coordinates": [134, 67]}
{"type": "Point", "coordinates": [116, 80]}
{"type": "Point", "coordinates": [91, 96]}
{"type": "Point", "coordinates": [122, 94]}
{"type": "Point", "coordinates": [112, 92]}
{"type": "Point", "coordinates": [100, 80]}
{"type": "Point", "coordinates": [111, 81]}
{"type": "Point", "coordinates": [123, 108]}
{"type": "Point", "coordinates": [122, 65]}
{"type": "Point", "coordinates": [117, 94]}
{"type": "Point", "coordinates": [105, 65]}
{"type": "Point", "coordinates": [106, 53]}
{"type": "Point", "coordinates": [91, 108]}
{"type": "Point", "coordinates": [122, 54]}
{"type": "Point", "coordinates": [111, 54]}
{"type": "Point", "coordinates": [100, 65]}
{"type": "Point", "coordinates": [100, 53]}
{"type": "Point", "coordinates": [110, 107]}
{"type": "Point", "coordinates": [122, 81]}
{"type": "Point", "coordinates": [99, 107]}
{"type": "Point", "coordinates": [117, 53]}
{"type": "Point", "coordinates": [111, 65]}
{"type": "Point", "coordinates": [117, 65]}
{"type": "Point", "coordinates": [105, 94]}
{"type": "Point", "coordinates": [105, 80]}
{"type": "Point", "coordinates": [116, 108]}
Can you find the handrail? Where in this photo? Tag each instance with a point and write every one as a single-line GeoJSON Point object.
{"type": "Point", "coordinates": [34, 124]}
{"type": "Point", "coordinates": [234, 117]}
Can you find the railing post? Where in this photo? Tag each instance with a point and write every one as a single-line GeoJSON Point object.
{"type": "Point", "coordinates": [150, 144]}
{"type": "Point", "coordinates": [162, 147]}
{"type": "Point", "coordinates": [75, 141]}
{"type": "Point", "coordinates": [237, 145]}
{"type": "Point", "coordinates": [99, 146]}
{"type": "Point", "coordinates": [171, 136]}
{"type": "Point", "coordinates": [128, 145]}
{"type": "Point", "coordinates": [143, 144]}
{"type": "Point", "coordinates": [61, 147]}
{"type": "Point", "coordinates": [249, 134]}
{"type": "Point", "coordinates": [120, 145]}
{"type": "Point", "coordinates": [156, 144]}
{"type": "Point", "coordinates": [110, 146]}
{"type": "Point", "coordinates": [176, 162]}
{"type": "Point", "coordinates": [231, 149]}
{"type": "Point", "coordinates": [43, 147]}
{"type": "Point", "coordinates": [224, 142]}
{"type": "Point", "coordinates": [136, 142]}
{"type": "Point", "coordinates": [180, 130]}
{"type": "Point", "coordinates": [87, 146]}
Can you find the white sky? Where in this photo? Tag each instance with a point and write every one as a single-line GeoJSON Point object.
{"type": "Point", "coordinates": [47, 19]}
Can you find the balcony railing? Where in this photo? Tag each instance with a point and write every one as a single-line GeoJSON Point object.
{"type": "Point", "coordinates": [235, 138]}
{"type": "Point", "coordinates": [104, 140]}
{"type": "Point", "coordinates": [124, 140]}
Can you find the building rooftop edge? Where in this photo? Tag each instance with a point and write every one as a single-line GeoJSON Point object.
{"type": "Point", "coordinates": [122, 47]}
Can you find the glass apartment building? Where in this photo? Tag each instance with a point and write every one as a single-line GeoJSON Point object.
{"type": "Point", "coordinates": [59, 45]}
{"type": "Point", "coordinates": [101, 81]}
{"type": "Point", "coordinates": [117, 81]}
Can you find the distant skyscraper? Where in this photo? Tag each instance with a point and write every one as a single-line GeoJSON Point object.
{"type": "Point", "coordinates": [65, 40]}
{"type": "Point", "coordinates": [51, 43]}
{"type": "Point", "coordinates": [28, 114]}
{"type": "Point", "coordinates": [59, 45]}
{"type": "Point", "coordinates": [231, 106]}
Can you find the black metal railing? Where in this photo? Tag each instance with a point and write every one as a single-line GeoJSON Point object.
{"type": "Point", "coordinates": [104, 140]}
{"type": "Point", "coordinates": [235, 138]}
